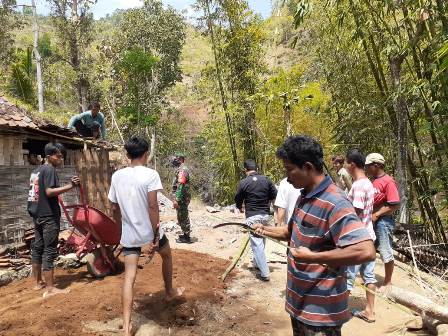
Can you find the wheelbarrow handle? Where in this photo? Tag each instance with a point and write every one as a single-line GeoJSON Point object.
{"type": "Point", "coordinates": [82, 196]}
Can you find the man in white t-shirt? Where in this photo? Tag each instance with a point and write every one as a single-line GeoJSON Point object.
{"type": "Point", "coordinates": [133, 193]}
{"type": "Point", "coordinates": [285, 202]}
{"type": "Point", "coordinates": [361, 195]}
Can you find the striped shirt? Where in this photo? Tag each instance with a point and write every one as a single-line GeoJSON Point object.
{"type": "Point", "coordinates": [323, 220]}
{"type": "Point", "coordinates": [361, 195]}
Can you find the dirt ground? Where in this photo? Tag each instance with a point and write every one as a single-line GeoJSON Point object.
{"type": "Point", "coordinates": [240, 306]}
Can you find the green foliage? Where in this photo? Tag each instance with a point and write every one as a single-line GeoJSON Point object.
{"type": "Point", "coordinates": [44, 45]}
{"type": "Point", "coordinates": [137, 63]}
{"type": "Point", "coordinates": [9, 21]}
{"type": "Point", "coordinates": [21, 75]}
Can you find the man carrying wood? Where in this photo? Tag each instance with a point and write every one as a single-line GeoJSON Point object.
{"type": "Point", "coordinates": [133, 193]}
{"type": "Point", "coordinates": [43, 206]}
{"type": "Point", "coordinates": [361, 195]}
{"type": "Point", "coordinates": [324, 230]}
{"type": "Point", "coordinates": [385, 204]}
{"type": "Point", "coordinates": [256, 191]}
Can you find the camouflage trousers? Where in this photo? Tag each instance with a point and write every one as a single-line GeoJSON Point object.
{"type": "Point", "coordinates": [183, 218]}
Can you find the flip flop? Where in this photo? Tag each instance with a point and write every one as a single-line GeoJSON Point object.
{"type": "Point", "coordinates": [359, 314]}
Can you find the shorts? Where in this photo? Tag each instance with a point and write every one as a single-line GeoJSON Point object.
{"type": "Point", "coordinates": [384, 230]}
{"type": "Point", "coordinates": [138, 250]}
{"type": "Point", "coordinates": [302, 329]}
{"type": "Point", "coordinates": [367, 272]}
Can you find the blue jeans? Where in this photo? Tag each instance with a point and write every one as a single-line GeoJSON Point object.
{"type": "Point", "coordinates": [258, 244]}
{"type": "Point", "coordinates": [367, 272]}
{"type": "Point", "coordinates": [384, 230]}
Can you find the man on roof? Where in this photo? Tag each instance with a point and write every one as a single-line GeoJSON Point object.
{"type": "Point", "coordinates": [89, 124]}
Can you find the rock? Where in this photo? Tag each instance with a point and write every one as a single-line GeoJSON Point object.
{"type": "Point", "coordinates": [212, 209]}
{"type": "Point", "coordinates": [68, 261]}
{"type": "Point", "coordinates": [143, 326]}
{"type": "Point", "coordinates": [7, 276]}
{"type": "Point", "coordinates": [169, 226]}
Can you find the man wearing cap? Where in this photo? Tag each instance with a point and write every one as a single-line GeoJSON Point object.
{"type": "Point", "coordinates": [89, 123]}
{"type": "Point", "coordinates": [256, 191]}
{"type": "Point", "coordinates": [386, 202]}
{"type": "Point", "coordinates": [182, 197]}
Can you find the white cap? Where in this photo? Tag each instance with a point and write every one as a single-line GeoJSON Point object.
{"type": "Point", "coordinates": [375, 158]}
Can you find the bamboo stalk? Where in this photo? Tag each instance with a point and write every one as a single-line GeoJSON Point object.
{"type": "Point", "coordinates": [238, 257]}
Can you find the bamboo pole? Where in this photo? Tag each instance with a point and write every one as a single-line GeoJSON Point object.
{"type": "Point", "coordinates": [238, 257]}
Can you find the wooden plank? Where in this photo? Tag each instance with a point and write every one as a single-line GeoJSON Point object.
{"type": "Point", "coordinates": [88, 164]}
{"type": "Point", "coordinates": [2, 151]}
{"type": "Point", "coordinates": [9, 143]}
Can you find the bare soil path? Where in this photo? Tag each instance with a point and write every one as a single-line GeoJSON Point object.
{"type": "Point", "coordinates": [240, 306]}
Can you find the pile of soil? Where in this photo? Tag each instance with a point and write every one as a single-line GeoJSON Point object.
{"type": "Point", "coordinates": [24, 311]}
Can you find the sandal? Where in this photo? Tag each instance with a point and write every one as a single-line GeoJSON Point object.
{"type": "Point", "coordinates": [359, 314]}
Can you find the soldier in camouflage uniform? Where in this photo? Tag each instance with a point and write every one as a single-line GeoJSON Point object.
{"type": "Point", "coordinates": [182, 197]}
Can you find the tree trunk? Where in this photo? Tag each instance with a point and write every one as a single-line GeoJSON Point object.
{"type": "Point", "coordinates": [81, 82]}
{"type": "Point", "coordinates": [400, 107]}
{"type": "Point", "coordinates": [152, 151]}
{"type": "Point", "coordinates": [37, 58]}
{"type": "Point", "coordinates": [418, 303]}
{"type": "Point", "coordinates": [229, 123]}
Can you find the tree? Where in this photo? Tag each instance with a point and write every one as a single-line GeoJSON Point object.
{"type": "Point", "coordinates": [9, 21]}
{"type": "Point", "coordinates": [37, 58]}
{"type": "Point", "coordinates": [73, 26]}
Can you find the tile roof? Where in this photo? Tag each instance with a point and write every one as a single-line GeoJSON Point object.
{"type": "Point", "coordinates": [13, 116]}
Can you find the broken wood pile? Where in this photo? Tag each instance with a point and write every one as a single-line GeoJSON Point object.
{"type": "Point", "coordinates": [19, 256]}
{"type": "Point", "coordinates": [431, 257]}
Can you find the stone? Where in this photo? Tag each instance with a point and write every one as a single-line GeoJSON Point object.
{"type": "Point", "coordinates": [142, 326]}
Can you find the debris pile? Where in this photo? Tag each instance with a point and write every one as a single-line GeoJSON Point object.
{"type": "Point", "coordinates": [18, 256]}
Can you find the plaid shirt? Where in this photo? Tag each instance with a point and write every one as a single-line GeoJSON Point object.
{"type": "Point", "coordinates": [323, 220]}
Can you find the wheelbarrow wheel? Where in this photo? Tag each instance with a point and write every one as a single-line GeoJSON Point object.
{"type": "Point", "coordinates": [97, 265]}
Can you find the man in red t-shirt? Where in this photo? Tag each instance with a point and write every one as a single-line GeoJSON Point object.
{"type": "Point", "coordinates": [386, 202]}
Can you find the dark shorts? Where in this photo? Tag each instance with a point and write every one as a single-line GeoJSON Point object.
{"type": "Point", "coordinates": [46, 237]}
{"type": "Point", "coordinates": [138, 250]}
{"type": "Point", "coordinates": [302, 329]}
{"type": "Point", "coordinates": [84, 130]}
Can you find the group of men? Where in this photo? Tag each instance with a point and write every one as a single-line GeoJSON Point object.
{"type": "Point", "coordinates": [326, 228]}
{"type": "Point", "coordinates": [330, 228]}
{"type": "Point", "coordinates": [133, 194]}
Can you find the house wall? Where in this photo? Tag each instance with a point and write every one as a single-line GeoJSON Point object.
{"type": "Point", "coordinates": [14, 186]}
{"type": "Point", "coordinates": [11, 152]}
{"type": "Point", "coordinates": [90, 164]}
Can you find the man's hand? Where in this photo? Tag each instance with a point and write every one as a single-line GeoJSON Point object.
{"type": "Point", "coordinates": [175, 204]}
{"type": "Point", "coordinates": [374, 217]}
{"type": "Point", "coordinates": [302, 254]}
{"type": "Point", "coordinates": [75, 180]}
{"type": "Point", "coordinates": [153, 247]}
{"type": "Point", "coordinates": [258, 228]}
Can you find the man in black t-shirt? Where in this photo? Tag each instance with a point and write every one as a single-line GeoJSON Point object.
{"type": "Point", "coordinates": [256, 191]}
{"type": "Point", "coordinates": [43, 206]}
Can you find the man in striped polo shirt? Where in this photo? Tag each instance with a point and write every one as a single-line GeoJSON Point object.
{"type": "Point", "coordinates": [324, 230]}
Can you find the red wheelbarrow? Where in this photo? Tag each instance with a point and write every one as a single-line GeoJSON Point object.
{"type": "Point", "coordinates": [94, 235]}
